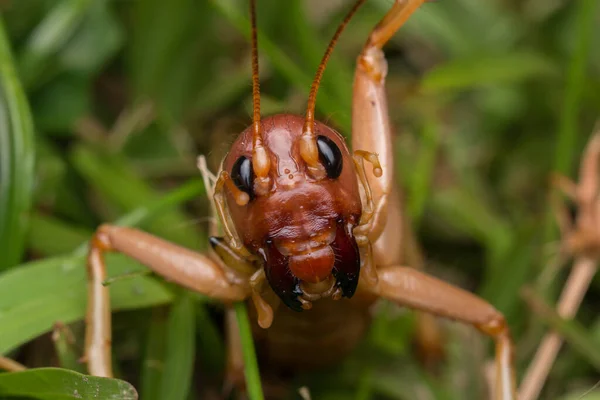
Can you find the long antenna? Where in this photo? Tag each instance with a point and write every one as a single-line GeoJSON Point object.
{"type": "Point", "coordinates": [255, 76]}
{"type": "Point", "coordinates": [260, 159]}
{"type": "Point", "coordinates": [308, 145]}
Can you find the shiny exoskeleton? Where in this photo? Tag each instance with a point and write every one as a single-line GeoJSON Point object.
{"type": "Point", "coordinates": [302, 229]}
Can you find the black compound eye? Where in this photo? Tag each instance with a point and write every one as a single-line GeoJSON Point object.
{"type": "Point", "coordinates": [242, 175]}
{"type": "Point", "coordinates": [330, 156]}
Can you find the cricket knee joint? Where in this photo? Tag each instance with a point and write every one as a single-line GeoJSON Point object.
{"type": "Point", "coordinates": [101, 240]}
{"type": "Point", "coordinates": [372, 61]}
{"type": "Point", "coordinates": [496, 327]}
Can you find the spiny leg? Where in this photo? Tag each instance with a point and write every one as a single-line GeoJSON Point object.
{"type": "Point", "coordinates": [180, 265]}
{"type": "Point", "coordinates": [414, 289]}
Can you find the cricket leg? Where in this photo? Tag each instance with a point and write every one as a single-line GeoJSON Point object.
{"type": "Point", "coordinates": [371, 131]}
{"type": "Point", "coordinates": [180, 265]}
{"type": "Point", "coordinates": [414, 289]}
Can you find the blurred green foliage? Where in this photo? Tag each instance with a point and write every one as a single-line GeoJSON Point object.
{"type": "Point", "coordinates": [487, 98]}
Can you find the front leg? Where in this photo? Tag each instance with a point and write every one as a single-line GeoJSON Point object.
{"type": "Point", "coordinates": [180, 265]}
{"type": "Point", "coordinates": [371, 131]}
{"type": "Point", "coordinates": [414, 289]}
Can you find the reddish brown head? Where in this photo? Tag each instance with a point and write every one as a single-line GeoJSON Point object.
{"type": "Point", "coordinates": [297, 199]}
{"type": "Point", "coordinates": [302, 228]}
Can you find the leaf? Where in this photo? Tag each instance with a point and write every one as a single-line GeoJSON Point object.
{"type": "Point", "coordinates": [38, 294]}
{"type": "Point", "coordinates": [62, 384]}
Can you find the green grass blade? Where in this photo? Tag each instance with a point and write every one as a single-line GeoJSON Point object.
{"type": "Point", "coordinates": [17, 157]}
{"type": "Point", "coordinates": [44, 231]}
{"type": "Point", "coordinates": [121, 187]}
{"type": "Point", "coordinates": [576, 73]}
{"type": "Point", "coordinates": [210, 342]}
{"type": "Point", "coordinates": [154, 357]}
{"type": "Point", "coordinates": [251, 371]}
{"type": "Point", "coordinates": [568, 130]}
{"type": "Point", "coordinates": [49, 37]}
{"type": "Point", "coordinates": [142, 214]}
{"type": "Point", "coordinates": [62, 384]}
{"type": "Point", "coordinates": [180, 350]}
{"type": "Point", "coordinates": [421, 179]}
{"type": "Point", "coordinates": [488, 70]}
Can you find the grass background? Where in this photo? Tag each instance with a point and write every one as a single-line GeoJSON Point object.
{"type": "Point", "coordinates": [487, 99]}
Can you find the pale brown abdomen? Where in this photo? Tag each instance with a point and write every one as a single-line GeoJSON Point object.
{"type": "Point", "coordinates": [314, 338]}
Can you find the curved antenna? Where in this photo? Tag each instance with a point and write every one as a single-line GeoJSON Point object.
{"type": "Point", "coordinates": [260, 159]}
{"type": "Point", "coordinates": [308, 141]}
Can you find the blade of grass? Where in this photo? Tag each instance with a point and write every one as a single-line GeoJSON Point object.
{"type": "Point", "coordinates": [576, 79]}
{"type": "Point", "coordinates": [251, 371]}
{"type": "Point", "coordinates": [567, 123]}
{"type": "Point", "coordinates": [487, 70]}
{"type": "Point", "coordinates": [310, 48]}
{"type": "Point", "coordinates": [180, 349]}
{"type": "Point", "coordinates": [44, 231]}
{"type": "Point", "coordinates": [17, 157]}
{"type": "Point", "coordinates": [142, 214]}
{"type": "Point", "coordinates": [209, 339]}
{"type": "Point", "coordinates": [120, 186]}
{"type": "Point", "coordinates": [421, 178]}
{"type": "Point", "coordinates": [154, 359]}
{"type": "Point", "coordinates": [48, 38]}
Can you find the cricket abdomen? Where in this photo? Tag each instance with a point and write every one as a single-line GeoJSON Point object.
{"type": "Point", "coordinates": [315, 338]}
